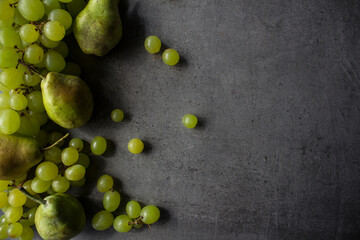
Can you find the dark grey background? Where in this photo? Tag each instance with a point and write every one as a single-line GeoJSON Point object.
{"type": "Point", "coordinates": [276, 86]}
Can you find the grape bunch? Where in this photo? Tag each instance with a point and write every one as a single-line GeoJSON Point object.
{"type": "Point", "coordinates": [135, 215]}
{"type": "Point", "coordinates": [60, 169]}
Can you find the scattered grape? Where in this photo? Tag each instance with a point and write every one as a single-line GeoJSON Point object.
{"type": "Point", "coordinates": [98, 145]}
{"type": "Point", "coordinates": [117, 115]}
{"type": "Point", "coordinates": [149, 214]}
{"type": "Point", "coordinates": [189, 121]}
{"type": "Point", "coordinates": [152, 44]}
{"type": "Point", "coordinates": [102, 220]}
{"type": "Point", "coordinates": [170, 57]}
{"type": "Point", "coordinates": [133, 209]}
{"type": "Point", "coordinates": [122, 223]}
{"type": "Point", "coordinates": [135, 146]}
{"type": "Point", "coordinates": [111, 200]}
{"type": "Point", "coordinates": [105, 183]}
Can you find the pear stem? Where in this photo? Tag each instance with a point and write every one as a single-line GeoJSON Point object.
{"type": "Point", "coordinates": [31, 68]}
{"type": "Point", "coordinates": [34, 198]}
{"type": "Point", "coordinates": [53, 145]}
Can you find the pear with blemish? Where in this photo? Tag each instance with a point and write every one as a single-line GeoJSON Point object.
{"type": "Point", "coordinates": [67, 100]}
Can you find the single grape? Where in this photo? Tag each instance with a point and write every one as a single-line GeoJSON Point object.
{"type": "Point", "coordinates": [13, 214]}
{"type": "Point", "coordinates": [135, 146]}
{"type": "Point", "coordinates": [4, 185]}
{"type": "Point", "coordinates": [152, 44]}
{"type": "Point", "coordinates": [18, 102]}
{"type": "Point", "coordinates": [54, 137]}
{"type": "Point", "coordinates": [3, 199]}
{"type": "Point", "coordinates": [7, 12]}
{"type": "Point", "coordinates": [16, 198]}
{"type": "Point", "coordinates": [98, 145]}
{"type": "Point", "coordinates": [19, 19]}
{"type": "Point", "coordinates": [117, 115]}
{"type": "Point", "coordinates": [8, 58]}
{"type": "Point", "coordinates": [79, 183]}
{"type": "Point", "coordinates": [35, 102]}
{"type": "Point", "coordinates": [189, 121]}
{"type": "Point", "coordinates": [14, 230]}
{"type": "Point", "coordinates": [53, 154]}
{"type": "Point", "coordinates": [50, 5]}
{"type": "Point", "coordinates": [47, 171]}
{"type": "Point", "coordinates": [61, 16]}
{"type": "Point", "coordinates": [122, 223]}
{"type": "Point", "coordinates": [47, 42]}
{"type": "Point", "coordinates": [42, 137]}
{"type": "Point", "coordinates": [60, 184]}
{"type": "Point", "coordinates": [27, 187]}
{"type": "Point", "coordinates": [149, 214]}
{"type": "Point", "coordinates": [11, 78]}
{"type": "Point", "coordinates": [102, 220]}
{"type": "Point", "coordinates": [42, 117]}
{"type": "Point", "coordinates": [34, 54]}
{"type": "Point", "coordinates": [63, 49]}
{"type": "Point", "coordinates": [75, 7]}
{"type": "Point", "coordinates": [32, 10]}
{"type": "Point", "coordinates": [133, 209]}
{"type": "Point", "coordinates": [31, 215]}
{"type": "Point", "coordinates": [111, 200]}
{"type": "Point", "coordinates": [75, 173]}
{"type": "Point", "coordinates": [83, 160]}
{"type": "Point", "coordinates": [28, 126]}
{"type": "Point", "coordinates": [27, 233]}
{"type": "Point", "coordinates": [9, 37]}
{"type": "Point", "coordinates": [40, 186]}
{"type": "Point", "coordinates": [105, 183]}
{"type": "Point", "coordinates": [54, 30]}
{"type": "Point", "coordinates": [170, 57]}
{"type": "Point", "coordinates": [72, 69]}
{"type": "Point", "coordinates": [3, 231]}
{"type": "Point", "coordinates": [54, 61]}
{"type": "Point", "coordinates": [9, 121]}
{"type": "Point", "coordinates": [31, 79]}
{"type": "Point", "coordinates": [29, 33]}
{"type": "Point", "coordinates": [4, 101]}
{"type": "Point", "coordinates": [76, 143]}
{"type": "Point", "coordinates": [69, 156]}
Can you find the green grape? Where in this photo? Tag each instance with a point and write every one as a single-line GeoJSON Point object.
{"type": "Point", "coordinates": [9, 37]}
{"type": "Point", "coordinates": [117, 115]}
{"type": "Point", "coordinates": [34, 54]}
{"type": "Point", "coordinates": [75, 7]}
{"type": "Point", "coordinates": [16, 198]}
{"type": "Point", "coordinates": [4, 185]}
{"type": "Point", "coordinates": [122, 223]}
{"type": "Point", "coordinates": [72, 69]}
{"type": "Point", "coordinates": [3, 199]}
{"type": "Point", "coordinates": [54, 30]}
{"type": "Point", "coordinates": [50, 191]}
{"type": "Point", "coordinates": [105, 183]}
{"type": "Point", "coordinates": [3, 231]}
{"type": "Point", "coordinates": [83, 160]}
{"type": "Point", "coordinates": [27, 233]}
{"type": "Point", "coordinates": [6, 10]}
{"type": "Point", "coordinates": [8, 57]}
{"type": "Point", "coordinates": [18, 102]}
{"type": "Point", "coordinates": [9, 121]}
{"type": "Point", "coordinates": [19, 19]}
{"type": "Point", "coordinates": [47, 171]}
{"type": "Point", "coordinates": [61, 16]}
{"type": "Point", "coordinates": [54, 61]}
{"type": "Point", "coordinates": [53, 154]}
{"type": "Point", "coordinates": [170, 57]}
{"type": "Point", "coordinates": [42, 117]}
{"type": "Point", "coordinates": [40, 186]}
{"type": "Point", "coordinates": [29, 33]}
{"type": "Point", "coordinates": [102, 220]}
{"type": "Point", "coordinates": [4, 101]}
{"type": "Point", "coordinates": [98, 145]}
{"type": "Point", "coordinates": [28, 126]}
{"type": "Point", "coordinates": [11, 78]}
{"type": "Point", "coordinates": [69, 156]}
{"type": "Point", "coordinates": [152, 44]}
{"type": "Point", "coordinates": [35, 102]}
{"type": "Point", "coordinates": [63, 49]}
{"type": "Point", "coordinates": [135, 146]}
{"type": "Point", "coordinates": [32, 10]}
{"type": "Point", "coordinates": [31, 215]}
{"type": "Point", "coordinates": [75, 173]}
{"type": "Point", "coordinates": [79, 183]}
{"type": "Point", "coordinates": [133, 209]}
{"type": "Point", "coordinates": [54, 137]}
{"type": "Point", "coordinates": [189, 121]}
{"type": "Point", "coordinates": [76, 143]}
{"type": "Point", "coordinates": [60, 184]}
{"type": "Point", "coordinates": [3, 220]}
{"type": "Point", "coordinates": [13, 214]}
{"type": "Point", "coordinates": [27, 187]}
{"type": "Point", "coordinates": [42, 137]}
{"type": "Point", "coordinates": [149, 214]}
{"type": "Point", "coordinates": [14, 230]}
{"type": "Point", "coordinates": [31, 79]}
{"type": "Point", "coordinates": [111, 200]}
{"type": "Point", "coordinates": [6, 23]}
{"type": "Point", "coordinates": [50, 5]}
{"type": "Point", "coordinates": [47, 42]}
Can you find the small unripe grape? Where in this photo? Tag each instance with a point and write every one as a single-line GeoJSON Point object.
{"type": "Point", "coordinates": [133, 209]}
{"type": "Point", "coordinates": [152, 44]}
{"type": "Point", "coordinates": [75, 173]}
{"type": "Point", "coordinates": [14, 230]}
{"type": "Point", "coordinates": [76, 143]}
{"type": "Point", "coordinates": [98, 145]}
{"type": "Point", "coordinates": [117, 115]}
{"type": "Point", "coordinates": [105, 183]}
{"type": "Point", "coordinates": [54, 30]}
{"type": "Point", "coordinates": [121, 223]}
{"type": "Point", "coordinates": [16, 198]}
{"type": "Point", "coordinates": [135, 146]}
{"type": "Point", "coordinates": [40, 186]}
{"type": "Point", "coordinates": [83, 160]}
{"type": "Point", "coordinates": [111, 200]}
{"type": "Point", "coordinates": [53, 154]}
{"type": "Point", "coordinates": [170, 57]}
{"type": "Point", "coordinates": [69, 156]}
{"type": "Point", "coordinates": [47, 171]}
{"type": "Point", "coordinates": [13, 214]}
{"type": "Point", "coordinates": [60, 184]}
{"type": "Point", "coordinates": [189, 121]}
{"type": "Point", "coordinates": [102, 220]}
{"type": "Point", "coordinates": [150, 214]}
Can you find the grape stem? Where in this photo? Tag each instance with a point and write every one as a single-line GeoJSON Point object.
{"type": "Point", "coordinates": [34, 198]}
{"type": "Point", "coordinates": [31, 68]}
{"type": "Point", "coordinates": [54, 144]}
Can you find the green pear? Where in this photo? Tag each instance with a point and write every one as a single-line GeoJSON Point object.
{"type": "Point", "coordinates": [98, 27]}
{"type": "Point", "coordinates": [17, 155]}
{"type": "Point", "coordinates": [59, 217]}
{"type": "Point", "coordinates": [67, 99]}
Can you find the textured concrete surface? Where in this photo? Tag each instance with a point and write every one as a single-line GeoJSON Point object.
{"type": "Point", "coordinates": [276, 86]}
